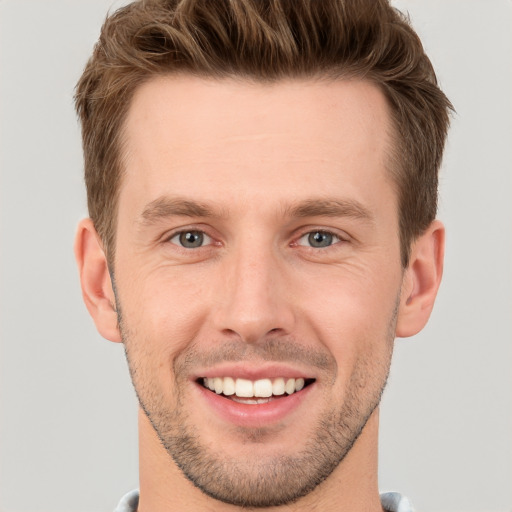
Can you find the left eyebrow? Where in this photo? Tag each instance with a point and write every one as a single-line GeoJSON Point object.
{"type": "Point", "coordinates": [330, 208]}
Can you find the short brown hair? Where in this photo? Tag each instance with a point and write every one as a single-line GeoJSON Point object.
{"type": "Point", "coordinates": [265, 41]}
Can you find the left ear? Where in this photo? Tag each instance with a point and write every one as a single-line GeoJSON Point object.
{"type": "Point", "coordinates": [421, 280]}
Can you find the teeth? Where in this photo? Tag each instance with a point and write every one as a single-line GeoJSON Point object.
{"type": "Point", "coordinates": [263, 388]}
{"type": "Point", "coordinates": [229, 386]}
{"type": "Point", "coordinates": [251, 401]}
{"type": "Point", "coordinates": [278, 387]}
{"type": "Point", "coordinates": [299, 384]}
{"type": "Point", "coordinates": [244, 388]}
{"type": "Point", "coordinates": [218, 385]}
{"type": "Point", "coordinates": [289, 387]}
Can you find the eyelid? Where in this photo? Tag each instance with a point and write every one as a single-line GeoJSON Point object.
{"type": "Point", "coordinates": [212, 240]}
{"type": "Point", "coordinates": [169, 235]}
{"type": "Point", "coordinates": [339, 236]}
{"type": "Point", "coordinates": [207, 239]}
{"type": "Point", "coordinates": [336, 239]}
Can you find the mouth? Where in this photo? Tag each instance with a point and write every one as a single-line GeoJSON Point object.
{"type": "Point", "coordinates": [254, 392]}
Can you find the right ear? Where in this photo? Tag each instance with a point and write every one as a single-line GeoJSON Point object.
{"type": "Point", "coordinates": [97, 290]}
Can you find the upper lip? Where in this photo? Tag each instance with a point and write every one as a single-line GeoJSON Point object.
{"type": "Point", "coordinates": [253, 371]}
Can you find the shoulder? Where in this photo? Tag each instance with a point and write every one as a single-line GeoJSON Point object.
{"type": "Point", "coordinates": [129, 502]}
{"type": "Point", "coordinates": [391, 502]}
{"type": "Point", "coordinates": [395, 502]}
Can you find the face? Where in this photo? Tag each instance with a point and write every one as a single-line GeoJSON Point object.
{"type": "Point", "coordinates": [257, 276]}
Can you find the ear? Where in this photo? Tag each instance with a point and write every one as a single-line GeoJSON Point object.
{"type": "Point", "coordinates": [421, 281]}
{"type": "Point", "coordinates": [97, 290]}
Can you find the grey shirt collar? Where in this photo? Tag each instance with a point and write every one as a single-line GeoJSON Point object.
{"type": "Point", "coordinates": [391, 502]}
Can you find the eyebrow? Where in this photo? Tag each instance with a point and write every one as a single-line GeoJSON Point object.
{"type": "Point", "coordinates": [326, 207]}
{"type": "Point", "coordinates": [164, 207]}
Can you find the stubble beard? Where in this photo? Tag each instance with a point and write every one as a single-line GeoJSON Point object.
{"type": "Point", "coordinates": [257, 482]}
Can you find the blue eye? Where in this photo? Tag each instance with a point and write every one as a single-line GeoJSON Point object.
{"type": "Point", "coordinates": [318, 239]}
{"type": "Point", "coordinates": [191, 239]}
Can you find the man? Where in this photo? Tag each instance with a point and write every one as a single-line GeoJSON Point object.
{"type": "Point", "coordinates": [262, 189]}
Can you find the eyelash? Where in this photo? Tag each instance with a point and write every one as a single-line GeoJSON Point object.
{"type": "Point", "coordinates": [335, 239]}
{"type": "Point", "coordinates": [185, 232]}
{"type": "Point", "coordinates": [207, 239]}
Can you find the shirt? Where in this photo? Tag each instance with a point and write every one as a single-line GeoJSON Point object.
{"type": "Point", "coordinates": [391, 502]}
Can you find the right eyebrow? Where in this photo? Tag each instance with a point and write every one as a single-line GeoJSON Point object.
{"type": "Point", "coordinates": [164, 207]}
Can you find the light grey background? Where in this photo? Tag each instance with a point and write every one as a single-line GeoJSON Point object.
{"type": "Point", "coordinates": [67, 410]}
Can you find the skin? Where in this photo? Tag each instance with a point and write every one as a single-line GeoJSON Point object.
{"type": "Point", "coordinates": [243, 166]}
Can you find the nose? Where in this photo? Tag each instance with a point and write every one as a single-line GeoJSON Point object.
{"type": "Point", "coordinates": [254, 297]}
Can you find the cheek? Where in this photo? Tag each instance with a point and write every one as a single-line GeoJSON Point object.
{"type": "Point", "coordinates": [352, 312]}
{"type": "Point", "coordinates": [360, 295]}
{"type": "Point", "coordinates": [163, 312]}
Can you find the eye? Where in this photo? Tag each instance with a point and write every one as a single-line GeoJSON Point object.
{"type": "Point", "coordinates": [190, 239]}
{"type": "Point", "coordinates": [318, 239]}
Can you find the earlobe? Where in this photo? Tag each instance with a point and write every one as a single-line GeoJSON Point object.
{"type": "Point", "coordinates": [421, 281]}
{"type": "Point", "coordinates": [95, 280]}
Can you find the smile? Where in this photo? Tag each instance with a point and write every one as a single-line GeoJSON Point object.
{"type": "Point", "coordinates": [254, 392]}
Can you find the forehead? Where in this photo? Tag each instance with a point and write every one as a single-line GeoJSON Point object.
{"type": "Point", "coordinates": [185, 134]}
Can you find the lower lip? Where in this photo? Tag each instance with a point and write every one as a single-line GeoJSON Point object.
{"type": "Point", "coordinates": [254, 415]}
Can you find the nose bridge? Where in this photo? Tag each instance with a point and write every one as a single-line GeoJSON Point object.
{"type": "Point", "coordinates": [252, 301]}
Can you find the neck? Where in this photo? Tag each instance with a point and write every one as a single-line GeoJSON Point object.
{"type": "Point", "coordinates": [351, 486]}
